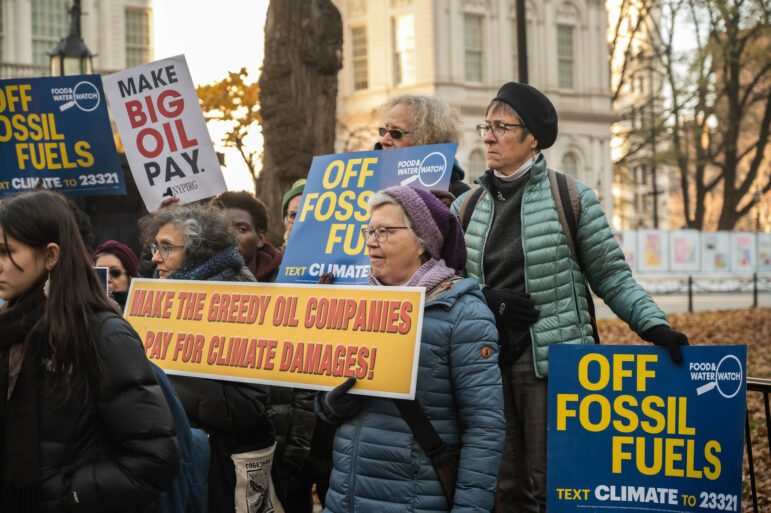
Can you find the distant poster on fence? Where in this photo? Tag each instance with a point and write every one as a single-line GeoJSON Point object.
{"type": "Point", "coordinates": [629, 430]}
{"type": "Point", "coordinates": [326, 236]}
{"type": "Point", "coordinates": [161, 125]}
{"type": "Point", "coordinates": [684, 250]}
{"type": "Point", "coordinates": [56, 131]}
{"type": "Point", "coordinates": [653, 248]}
{"type": "Point", "coordinates": [764, 252]}
{"type": "Point", "coordinates": [715, 251]}
{"type": "Point", "coordinates": [743, 256]}
{"type": "Point", "coordinates": [307, 336]}
{"type": "Point", "coordinates": [627, 239]}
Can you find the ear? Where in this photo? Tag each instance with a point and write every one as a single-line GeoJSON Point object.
{"type": "Point", "coordinates": [260, 239]}
{"type": "Point", "coordinates": [51, 254]}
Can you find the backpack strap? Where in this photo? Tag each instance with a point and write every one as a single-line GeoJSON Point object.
{"type": "Point", "coordinates": [468, 205]}
{"type": "Point", "coordinates": [565, 193]}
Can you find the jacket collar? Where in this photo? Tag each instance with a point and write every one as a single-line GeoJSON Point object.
{"type": "Point", "coordinates": [537, 171]}
{"type": "Point", "coordinates": [452, 293]}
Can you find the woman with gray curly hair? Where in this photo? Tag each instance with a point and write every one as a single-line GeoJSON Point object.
{"type": "Point", "coordinates": [412, 120]}
{"type": "Point", "coordinates": [193, 242]}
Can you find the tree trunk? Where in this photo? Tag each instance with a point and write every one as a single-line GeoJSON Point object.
{"type": "Point", "coordinates": [298, 92]}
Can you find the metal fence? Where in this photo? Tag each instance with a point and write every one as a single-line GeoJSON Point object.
{"type": "Point", "coordinates": [762, 386]}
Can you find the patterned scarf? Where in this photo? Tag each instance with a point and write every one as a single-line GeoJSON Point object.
{"type": "Point", "coordinates": [428, 275]}
{"type": "Point", "coordinates": [223, 266]}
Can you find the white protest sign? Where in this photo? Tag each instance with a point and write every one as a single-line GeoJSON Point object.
{"type": "Point", "coordinates": [163, 132]}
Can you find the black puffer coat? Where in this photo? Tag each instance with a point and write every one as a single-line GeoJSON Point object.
{"type": "Point", "coordinates": [119, 451]}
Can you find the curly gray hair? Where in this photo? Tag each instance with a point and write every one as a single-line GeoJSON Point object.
{"type": "Point", "coordinates": [204, 228]}
{"type": "Point", "coordinates": [433, 121]}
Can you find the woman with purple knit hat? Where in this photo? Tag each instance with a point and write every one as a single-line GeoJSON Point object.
{"type": "Point", "coordinates": [379, 465]}
{"type": "Point", "coordinates": [121, 263]}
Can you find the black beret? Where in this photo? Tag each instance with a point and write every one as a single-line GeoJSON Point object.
{"type": "Point", "coordinates": [534, 108]}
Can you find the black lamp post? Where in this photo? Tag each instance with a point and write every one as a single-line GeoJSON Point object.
{"type": "Point", "coordinates": [72, 56]}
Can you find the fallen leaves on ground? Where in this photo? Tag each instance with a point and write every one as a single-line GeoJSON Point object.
{"type": "Point", "coordinates": [727, 327]}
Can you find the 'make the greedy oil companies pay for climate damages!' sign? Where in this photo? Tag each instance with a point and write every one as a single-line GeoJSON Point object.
{"type": "Point", "coordinates": [55, 131]}
{"type": "Point", "coordinates": [334, 207]}
{"type": "Point", "coordinates": [292, 335]}
{"type": "Point", "coordinates": [163, 131]}
{"type": "Point", "coordinates": [629, 430]}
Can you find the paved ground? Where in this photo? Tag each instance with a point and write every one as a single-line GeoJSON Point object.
{"type": "Point", "coordinates": [678, 303]}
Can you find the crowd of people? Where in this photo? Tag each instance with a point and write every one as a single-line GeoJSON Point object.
{"type": "Point", "coordinates": [87, 423]}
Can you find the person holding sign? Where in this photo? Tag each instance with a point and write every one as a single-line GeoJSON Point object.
{"type": "Point", "coordinates": [83, 423]}
{"type": "Point", "coordinates": [412, 120]}
{"type": "Point", "coordinates": [195, 243]}
{"type": "Point", "coordinates": [414, 240]}
{"type": "Point", "coordinates": [534, 274]}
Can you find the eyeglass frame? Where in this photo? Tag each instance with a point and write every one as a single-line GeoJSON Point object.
{"type": "Point", "coordinates": [392, 132]}
{"type": "Point", "coordinates": [164, 248]}
{"type": "Point", "coordinates": [492, 126]}
{"type": "Point", "coordinates": [367, 232]}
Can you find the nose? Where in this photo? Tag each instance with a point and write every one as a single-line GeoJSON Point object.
{"type": "Point", "coordinates": [489, 137]}
{"type": "Point", "coordinates": [157, 257]}
{"type": "Point", "coordinates": [372, 241]}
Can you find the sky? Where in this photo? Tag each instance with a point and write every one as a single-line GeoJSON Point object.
{"type": "Point", "coordinates": [216, 37]}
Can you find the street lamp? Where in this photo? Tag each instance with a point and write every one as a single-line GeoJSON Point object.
{"type": "Point", "coordinates": [72, 56]}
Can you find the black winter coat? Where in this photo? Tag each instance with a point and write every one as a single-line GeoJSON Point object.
{"type": "Point", "coordinates": [119, 451]}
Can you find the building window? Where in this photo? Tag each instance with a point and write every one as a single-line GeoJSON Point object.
{"type": "Point", "coordinates": [137, 37]}
{"type": "Point", "coordinates": [404, 49]}
{"type": "Point", "coordinates": [49, 24]}
{"type": "Point", "coordinates": [570, 165]}
{"type": "Point", "coordinates": [472, 43]}
{"type": "Point", "coordinates": [477, 165]}
{"type": "Point", "coordinates": [359, 45]}
{"type": "Point", "coordinates": [565, 56]}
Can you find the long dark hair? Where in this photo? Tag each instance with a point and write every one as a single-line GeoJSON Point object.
{"type": "Point", "coordinates": [75, 292]}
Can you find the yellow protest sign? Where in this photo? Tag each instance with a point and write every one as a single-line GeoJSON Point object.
{"type": "Point", "coordinates": [308, 336]}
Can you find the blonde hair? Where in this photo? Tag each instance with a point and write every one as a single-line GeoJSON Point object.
{"type": "Point", "coordinates": [433, 120]}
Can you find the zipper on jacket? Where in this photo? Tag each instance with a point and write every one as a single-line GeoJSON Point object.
{"type": "Point", "coordinates": [354, 455]}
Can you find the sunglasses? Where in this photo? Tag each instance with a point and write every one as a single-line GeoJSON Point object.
{"type": "Point", "coordinates": [115, 273]}
{"type": "Point", "coordinates": [395, 133]}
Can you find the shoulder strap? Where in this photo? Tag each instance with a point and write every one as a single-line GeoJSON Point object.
{"type": "Point", "coordinates": [468, 205]}
{"type": "Point", "coordinates": [428, 439]}
{"type": "Point", "coordinates": [565, 193]}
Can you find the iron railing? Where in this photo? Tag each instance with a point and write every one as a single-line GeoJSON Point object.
{"type": "Point", "coordinates": [763, 386]}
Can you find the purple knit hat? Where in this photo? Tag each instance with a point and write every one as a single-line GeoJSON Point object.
{"type": "Point", "coordinates": [124, 253]}
{"type": "Point", "coordinates": [434, 224]}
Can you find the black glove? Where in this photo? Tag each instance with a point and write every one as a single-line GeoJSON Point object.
{"type": "Point", "coordinates": [326, 279]}
{"type": "Point", "coordinates": [666, 337]}
{"type": "Point", "coordinates": [511, 308]}
{"type": "Point", "coordinates": [338, 403]}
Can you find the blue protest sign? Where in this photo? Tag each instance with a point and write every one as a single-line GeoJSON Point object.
{"type": "Point", "coordinates": [327, 230]}
{"type": "Point", "coordinates": [631, 431]}
{"type": "Point", "coordinates": [57, 129]}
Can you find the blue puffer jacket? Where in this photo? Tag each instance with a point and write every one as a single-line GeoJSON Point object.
{"type": "Point", "coordinates": [555, 281]}
{"type": "Point", "coordinates": [378, 465]}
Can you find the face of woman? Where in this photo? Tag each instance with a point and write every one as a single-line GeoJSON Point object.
{"type": "Point", "coordinates": [15, 281]}
{"type": "Point", "coordinates": [395, 260]}
{"type": "Point", "coordinates": [172, 244]}
{"type": "Point", "coordinates": [117, 277]}
{"type": "Point", "coordinates": [508, 152]}
{"type": "Point", "coordinates": [398, 118]}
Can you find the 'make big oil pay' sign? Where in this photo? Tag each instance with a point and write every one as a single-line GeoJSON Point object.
{"type": "Point", "coordinates": [57, 131]}
{"type": "Point", "coordinates": [291, 335]}
{"type": "Point", "coordinates": [629, 430]}
{"type": "Point", "coordinates": [327, 232]}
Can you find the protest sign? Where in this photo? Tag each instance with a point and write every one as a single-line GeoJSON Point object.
{"type": "Point", "coordinates": [629, 430]}
{"type": "Point", "coordinates": [327, 230]}
{"type": "Point", "coordinates": [56, 130]}
{"type": "Point", "coordinates": [290, 335]}
{"type": "Point", "coordinates": [163, 131]}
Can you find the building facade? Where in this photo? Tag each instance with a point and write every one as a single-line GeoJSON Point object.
{"type": "Point", "coordinates": [462, 51]}
{"type": "Point", "coordinates": [118, 32]}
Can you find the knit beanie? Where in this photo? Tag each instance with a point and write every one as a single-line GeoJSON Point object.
{"type": "Point", "coordinates": [124, 253]}
{"type": "Point", "coordinates": [434, 224]}
{"type": "Point", "coordinates": [296, 190]}
{"type": "Point", "coordinates": [534, 108]}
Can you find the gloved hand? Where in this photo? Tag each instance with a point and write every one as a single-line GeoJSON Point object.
{"type": "Point", "coordinates": [326, 279]}
{"type": "Point", "coordinates": [513, 309]}
{"type": "Point", "coordinates": [666, 337]}
{"type": "Point", "coordinates": [340, 404]}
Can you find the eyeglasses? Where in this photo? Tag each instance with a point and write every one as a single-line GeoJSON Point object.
{"type": "Point", "coordinates": [163, 249]}
{"type": "Point", "coordinates": [115, 273]}
{"type": "Point", "coordinates": [394, 132]}
{"type": "Point", "coordinates": [381, 234]}
{"type": "Point", "coordinates": [498, 128]}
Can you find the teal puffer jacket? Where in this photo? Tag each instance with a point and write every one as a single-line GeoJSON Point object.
{"type": "Point", "coordinates": [378, 465]}
{"type": "Point", "coordinates": [555, 281]}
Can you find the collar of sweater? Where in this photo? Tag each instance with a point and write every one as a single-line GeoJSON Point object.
{"type": "Point", "coordinates": [524, 168]}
